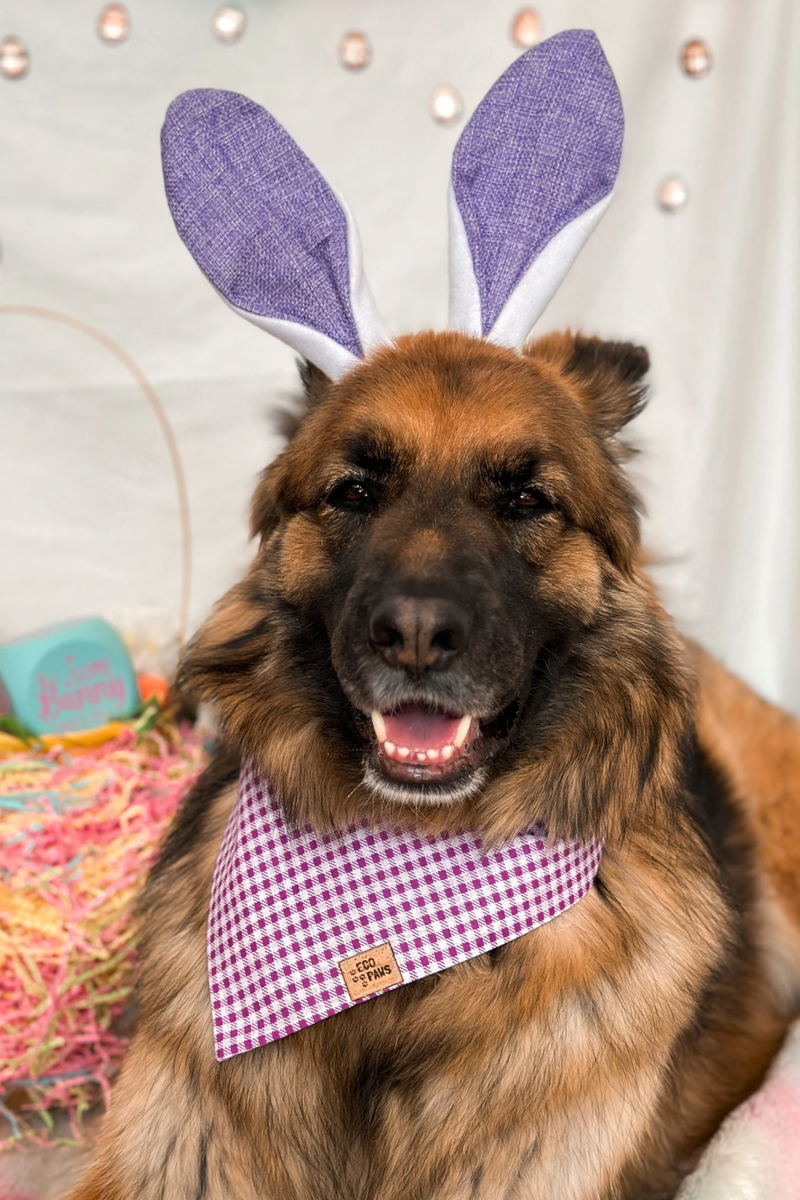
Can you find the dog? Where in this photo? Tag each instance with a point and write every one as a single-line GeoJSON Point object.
{"type": "Point", "coordinates": [450, 530]}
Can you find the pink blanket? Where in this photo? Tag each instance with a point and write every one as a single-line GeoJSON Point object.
{"type": "Point", "coordinates": [756, 1153]}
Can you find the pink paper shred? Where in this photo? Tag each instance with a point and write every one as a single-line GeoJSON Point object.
{"type": "Point", "coordinates": [78, 832]}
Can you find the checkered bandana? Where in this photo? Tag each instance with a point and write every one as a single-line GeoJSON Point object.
{"type": "Point", "coordinates": [303, 925]}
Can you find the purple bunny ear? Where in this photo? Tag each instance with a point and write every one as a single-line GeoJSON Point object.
{"type": "Point", "coordinates": [267, 230]}
{"type": "Point", "coordinates": [533, 172]}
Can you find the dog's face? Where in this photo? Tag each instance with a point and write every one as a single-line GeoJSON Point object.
{"type": "Point", "coordinates": [455, 504]}
{"type": "Point", "coordinates": [445, 577]}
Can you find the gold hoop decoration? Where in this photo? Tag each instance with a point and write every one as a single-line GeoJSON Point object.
{"type": "Point", "coordinates": [49, 314]}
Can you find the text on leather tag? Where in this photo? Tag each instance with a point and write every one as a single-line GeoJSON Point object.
{"type": "Point", "coordinates": [370, 971]}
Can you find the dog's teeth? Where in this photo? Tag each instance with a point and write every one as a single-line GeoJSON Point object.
{"type": "Point", "coordinates": [389, 747]}
{"type": "Point", "coordinates": [433, 755]}
{"type": "Point", "coordinates": [422, 756]}
{"type": "Point", "coordinates": [447, 752]}
{"type": "Point", "coordinates": [464, 727]}
{"type": "Point", "coordinates": [380, 727]}
{"type": "Point", "coordinates": [403, 751]}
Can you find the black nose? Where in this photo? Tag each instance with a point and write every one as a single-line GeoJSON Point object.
{"type": "Point", "coordinates": [418, 634]}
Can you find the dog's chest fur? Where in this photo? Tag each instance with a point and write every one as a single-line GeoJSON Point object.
{"type": "Point", "coordinates": [535, 1071]}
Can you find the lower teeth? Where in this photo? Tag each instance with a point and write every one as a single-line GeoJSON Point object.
{"type": "Point", "coordinates": [429, 757]}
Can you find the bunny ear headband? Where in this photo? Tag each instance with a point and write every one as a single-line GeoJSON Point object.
{"type": "Point", "coordinates": [533, 172]}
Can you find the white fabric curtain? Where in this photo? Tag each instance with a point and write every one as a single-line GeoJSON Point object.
{"type": "Point", "coordinates": [88, 521]}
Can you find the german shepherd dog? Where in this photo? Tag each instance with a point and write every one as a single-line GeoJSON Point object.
{"type": "Point", "coordinates": [450, 531]}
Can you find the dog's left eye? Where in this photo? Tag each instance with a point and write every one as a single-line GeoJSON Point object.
{"type": "Point", "coordinates": [525, 502]}
{"type": "Point", "coordinates": [350, 496]}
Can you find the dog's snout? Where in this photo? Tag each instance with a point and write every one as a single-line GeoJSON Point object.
{"type": "Point", "coordinates": [418, 634]}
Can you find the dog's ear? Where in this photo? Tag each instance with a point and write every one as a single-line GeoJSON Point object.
{"type": "Point", "coordinates": [264, 509]}
{"type": "Point", "coordinates": [608, 379]}
{"type": "Point", "coordinates": [316, 385]}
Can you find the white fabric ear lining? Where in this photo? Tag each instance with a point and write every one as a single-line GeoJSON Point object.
{"type": "Point", "coordinates": [465, 301]}
{"type": "Point", "coordinates": [543, 278]}
{"type": "Point", "coordinates": [331, 358]}
{"type": "Point", "coordinates": [535, 289]}
{"type": "Point", "coordinates": [369, 323]}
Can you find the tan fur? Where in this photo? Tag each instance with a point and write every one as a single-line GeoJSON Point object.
{"type": "Point", "coordinates": [588, 1060]}
{"type": "Point", "coordinates": [580, 1068]}
{"type": "Point", "coordinates": [760, 745]}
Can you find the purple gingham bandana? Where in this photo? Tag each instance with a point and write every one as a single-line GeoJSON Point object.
{"type": "Point", "coordinates": [303, 925]}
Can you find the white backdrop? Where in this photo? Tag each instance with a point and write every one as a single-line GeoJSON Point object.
{"type": "Point", "coordinates": [88, 521]}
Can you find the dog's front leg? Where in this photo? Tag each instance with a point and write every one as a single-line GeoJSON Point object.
{"type": "Point", "coordinates": [169, 1136]}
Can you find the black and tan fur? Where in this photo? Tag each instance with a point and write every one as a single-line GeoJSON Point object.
{"type": "Point", "coordinates": [592, 1058]}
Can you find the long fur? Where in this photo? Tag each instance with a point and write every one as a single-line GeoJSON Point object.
{"type": "Point", "coordinates": [592, 1058]}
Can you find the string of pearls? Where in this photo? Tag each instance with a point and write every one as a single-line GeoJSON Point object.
{"type": "Point", "coordinates": [355, 52]}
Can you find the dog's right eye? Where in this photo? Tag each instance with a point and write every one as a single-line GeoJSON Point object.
{"type": "Point", "coordinates": [350, 496]}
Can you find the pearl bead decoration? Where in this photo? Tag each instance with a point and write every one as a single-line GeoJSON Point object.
{"type": "Point", "coordinates": [228, 24]}
{"type": "Point", "coordinates": [446, 104]}
{"type": "Point", "coordinates": [14, 59]}
{"type": "Point", "coordinates": [114, 24]}
{"type": "Point", "coordinates": [672, 194]}
{"type": "Point", "coordinates": [526, 28]}
{"type": "Point", "coordinates": [696, 58]}
{"type": "Point", "coordinates": [355, 51]}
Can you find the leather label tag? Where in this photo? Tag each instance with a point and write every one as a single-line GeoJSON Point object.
{"type": "Point", "coordinates": [371, 971]}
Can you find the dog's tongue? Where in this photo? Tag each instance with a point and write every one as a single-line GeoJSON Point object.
{"type": "Point", "coordinates": [421, 728]}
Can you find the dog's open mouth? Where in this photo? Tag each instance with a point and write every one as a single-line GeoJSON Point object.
{"type": "Point", "coordinates": [420, 745]}
{"type": "Point", "coordinates": [424, 747]}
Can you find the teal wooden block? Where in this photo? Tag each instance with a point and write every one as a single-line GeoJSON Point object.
{"type": "Point", "coordinates": [70, 676]}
